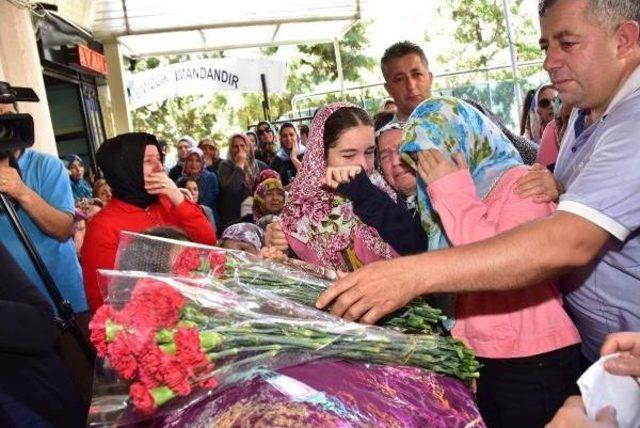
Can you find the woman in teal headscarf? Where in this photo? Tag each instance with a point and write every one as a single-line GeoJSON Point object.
{"type": "Point", "coordinates": [467, 173]}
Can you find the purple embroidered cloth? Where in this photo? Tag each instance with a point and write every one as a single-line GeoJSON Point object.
{"type": "Point", "coordinates": [336, 394]}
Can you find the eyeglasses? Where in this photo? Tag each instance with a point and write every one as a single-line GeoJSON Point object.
{"type": "Point", "coordinates": [547, 102]}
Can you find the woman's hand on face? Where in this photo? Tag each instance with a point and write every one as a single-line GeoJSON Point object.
{"type": "Point", "coordinates": [337, 175]}
{"type": "Point", "coordinates": [240, 159]}
{"type": "Point", "coordinates": [158, 183]}
{"type": "Point", "coordinates": [433, 165]}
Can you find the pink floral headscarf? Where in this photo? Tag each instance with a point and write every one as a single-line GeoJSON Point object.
{"type": "Point", "coordinates": [321, 218]}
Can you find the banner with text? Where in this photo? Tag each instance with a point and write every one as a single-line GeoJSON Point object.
{"type": "Point", "coordinates": [204, 76]}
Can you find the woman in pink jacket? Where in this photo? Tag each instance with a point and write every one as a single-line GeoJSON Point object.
{"type": "Point", "coordinates": [525, 340]}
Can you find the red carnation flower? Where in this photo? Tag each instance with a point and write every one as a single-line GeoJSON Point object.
{"type": "Point", "coordinates": [98, 328]}
{"type": "Point", "coordinates": [154, 305]}
{"type": "Point", "coordinates": [151, 363]}
{"type": "Point", "coordinates": [188, 349]}
{"type": "Point", "coordinates": [218, 263]}
{"type": "Point", "coordinates": [122, 355]}
{"type": "Point", "coordinates": [142, 398]}
{"type": "Point", "coordinates": [186, 262]}
{"type": "Point", "coordinates": [176, 376]}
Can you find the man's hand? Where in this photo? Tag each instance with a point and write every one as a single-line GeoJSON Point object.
{"type": "Point", "coordinates": [433, 165]}
{"type": "Point", "coordinates": [539, 184]}
{"type": "Point", "coordinates": [275, 237]}
{"type": "Point", "coordinates": [573, 415]}
{"type": "Point", "coordinates": [51, 221]}
{"type": "Point", "coordinates": [337, 175]}
{"type": "Point", "coordinates": [628, 362]}
{"type": "Point", "coordinates": [12, 184]}
{"type": "Point", "coordinates": [158, 183]}
{"type": "Point", "coordinates": [370, 293]}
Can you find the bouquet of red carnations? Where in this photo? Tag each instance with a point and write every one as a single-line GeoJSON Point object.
{"type": "Point", "coordinates": [175, 337]}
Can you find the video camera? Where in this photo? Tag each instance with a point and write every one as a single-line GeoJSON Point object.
{"type": "Point", "coordinates": [16, 130]}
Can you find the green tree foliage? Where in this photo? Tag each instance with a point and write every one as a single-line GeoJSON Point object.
{"type": "Point", "coordinates": [314, 64]}
{"type": "Point", "coordinates": [480, 40]}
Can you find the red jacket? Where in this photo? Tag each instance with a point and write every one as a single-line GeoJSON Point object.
{"type": "Point", "coordinates": [103, 234]}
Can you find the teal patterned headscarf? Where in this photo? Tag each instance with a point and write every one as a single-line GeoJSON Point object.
{"type": "Point", "coordinates": [452, 125]}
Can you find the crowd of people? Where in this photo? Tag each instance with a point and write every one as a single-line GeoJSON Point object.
{"type": "Point", "coordinates": [528, 243]}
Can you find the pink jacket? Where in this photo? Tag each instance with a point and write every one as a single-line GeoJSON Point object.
{"type": "Point", "coordinates": [548, 150]}
{"type": "Point", "coordinates": [506, 324]}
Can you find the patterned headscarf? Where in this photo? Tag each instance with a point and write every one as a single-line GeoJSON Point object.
{"type": "Point", "coordinates": [451, 125]}
{"type": "Point", "coordinates": [263, 175]}
{"type": "Point", "coordinates": [322, 219]}
{"type": "Point", "coordinates": [259, 203]}
{"type": "Point", "coordinates": [244, 232]}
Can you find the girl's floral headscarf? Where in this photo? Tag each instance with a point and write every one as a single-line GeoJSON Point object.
{"type": "Point", "coordinates": [259, 204]}
{"type": "Point", "coordinates": [320, 218]}
{"type": "Point", "coordinates": [452, 125]}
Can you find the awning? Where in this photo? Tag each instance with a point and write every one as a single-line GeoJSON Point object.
{"type": "Point", "coordinates": [152, 27]}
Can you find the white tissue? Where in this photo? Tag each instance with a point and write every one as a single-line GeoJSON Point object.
{"type": "Point", "coordinates": [600, 388]}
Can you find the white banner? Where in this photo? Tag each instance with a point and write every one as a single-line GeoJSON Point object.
{"type": "Point", "coordinates": [204, 76]}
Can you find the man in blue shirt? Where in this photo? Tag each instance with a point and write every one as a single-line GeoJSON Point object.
{"type": "Point", "coordinates": [44, 204]}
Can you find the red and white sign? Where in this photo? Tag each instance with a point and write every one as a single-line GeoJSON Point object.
{"type": "Point", "coordinates": [88, 58]}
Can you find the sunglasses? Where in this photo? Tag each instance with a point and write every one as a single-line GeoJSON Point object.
{"type": "Point", "coordinates": [264, 131]}
{"type": "Point", "coordinates": [547, 102]}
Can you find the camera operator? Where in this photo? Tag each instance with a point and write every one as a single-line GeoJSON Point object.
{"type": "Point", "coordinates": [35, 387]}
{"type": "Point", "coordinates": [39, 187]}
{"type": "Point", "coordinates": [44, 203]}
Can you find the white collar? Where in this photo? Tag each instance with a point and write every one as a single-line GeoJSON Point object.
{"type": "Point", "coordinates": [631, 85]}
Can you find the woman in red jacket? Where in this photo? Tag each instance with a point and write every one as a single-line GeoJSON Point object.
{"type": "Point", "coordinates": [143, 197]}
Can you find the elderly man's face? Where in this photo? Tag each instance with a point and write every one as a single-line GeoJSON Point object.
{"type": "Point", "coordinates": [581, 56]}
{"type": "Point", "coordinates": [408, 81]}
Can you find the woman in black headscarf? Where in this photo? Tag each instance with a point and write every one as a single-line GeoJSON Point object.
{"type": "Point", "coordinates": [143, 197]}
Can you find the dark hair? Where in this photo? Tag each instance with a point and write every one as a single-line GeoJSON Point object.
{"type": "Point", "coordinates": [381, 118]}
{"type": "Point", "coordinates": [264, 122]}
{"type": "Point", "coordinates": [151, 255]}
{"type": "Point", "coordinates": [304, 129]}
{"type": "Point", "coordinates": [526, 105]}
{"type": "Point", "coordinates": [168, 232]}
{"type": "Point", "coordinates": [398, 50]}
{"type": "Point", "coordinates": [182, 181]}
{"type": "Point", "coordinates": [341, 120]}
{"type": "Point", "coordinates": [287, 125]}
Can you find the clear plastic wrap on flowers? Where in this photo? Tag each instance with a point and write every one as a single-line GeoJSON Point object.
{"type": "Point", "coordinates": [294, 279]}
{"type": "Point", "coordinates": [168, 342]}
